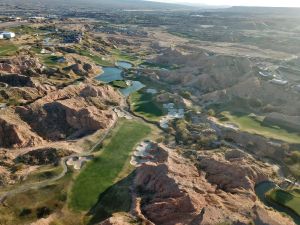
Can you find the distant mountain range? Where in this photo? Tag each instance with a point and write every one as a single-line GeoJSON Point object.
{"type": "Point", "coordinates": [140, 5]}
{"type": "Point", "coordinates": [117, 4]}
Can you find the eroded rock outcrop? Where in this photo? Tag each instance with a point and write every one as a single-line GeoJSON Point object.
{"type": "Point", "coordinates": [70, 112]}
{"type": "Point", "coordinates": [16, 80]}
{"type": "Point", "coordinates": [234, 173]}
{"type": "Point", "coordinates": [16, 133]}
{"type": "Point", "coordinates": [43, 156]}
{"type": "Point", "coordinates": [173, 190]}
{"type": "Point", "coordinates": [119, 219]}
{"type": "Point", "coordinates": [75, 110]}
{"type": "Point", "coordinates": [24, 63]}
{"type": "Point", "coordinates": [82, 66]}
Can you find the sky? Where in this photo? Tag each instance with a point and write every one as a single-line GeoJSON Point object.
{"type": "Point", "coordinates": [273, 3]}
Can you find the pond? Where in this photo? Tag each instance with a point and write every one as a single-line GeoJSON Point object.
{"type": "Point", "coordinates": [110, 74]}
{"type": "Point", "coordinates": [124, 64]}
{"type": "Point", "coordinates": [262, 188]}
{"type": "Point", "coordinates": [135, 86]}
{"type": "Point", "coordinates": [115, 73]}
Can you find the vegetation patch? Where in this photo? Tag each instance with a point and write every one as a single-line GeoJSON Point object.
{"type": "Point", "coordinates": [122, 56]}
{"type": "Point", "coordinates": [97, 59]}
{"type": "Point", "coordinates": [287, 198]}
{"type": "Point", "coordinates": [7, 48]}
{"type": "Point", "coordinates": [51, 60]}
{"type": "Point", "coordinates": [28, 206]}
{"type": "Point", "coordinates": [239, 112]}
{"type": "Point", "coordinates": [255, 125]}
{"type": "Point", "coordinates": [160, 66]}
{"type": "Point", "coordinates": [144, 104]}
{"type": "Point", "coordinates": [105, 207]}
{"type": "Point", "coordinates": [101, 173]}
{"type": "Point", "coordinates": [23, 29]}
{"type": "Point", "coordinates": [119, 84]}
{"type": "Point", "coordinates": [293, 163]}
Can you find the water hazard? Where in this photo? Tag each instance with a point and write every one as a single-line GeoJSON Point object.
{"type": "Point", "coordinates": [111, 74]}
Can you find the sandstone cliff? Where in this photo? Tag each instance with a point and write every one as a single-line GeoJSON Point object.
{"type": "Point", "coordinates": [16, 133]}
{"type": "Point", "coordinates": [77, 109]}
{"type": "Point", "coordinates": [23, 63]}
{"type": "Point", "coordinates": [219, 188]}
{"type": "Point", "coordinates": [70, 112]}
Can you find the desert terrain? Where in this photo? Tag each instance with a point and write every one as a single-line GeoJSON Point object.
{"type": "Point", "coordinates": [148, 113]}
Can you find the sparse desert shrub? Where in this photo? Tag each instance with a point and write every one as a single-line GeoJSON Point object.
{"type": "Point", "coordinates": [25, 212]}
{"type": "Point", "coordinates": [255, 102]}
{"type": "Point", "coordinates": [293, 158]}
{"type": "Point", "coordinates": [159, 139]}
{"type": "Point", "coordinates": [211, 112]}
{"type": "Point", "coordinates": [285, 147]}
{"type": "Point", "coordinates": [186, 94]}
{"type": "Point", "coordinates": [42, 212]}
{"type": "Point", "coordinates": [269, 108]}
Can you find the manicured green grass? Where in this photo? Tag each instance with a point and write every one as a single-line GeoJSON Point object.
{"type": "Point", "coordinates": [7, 48]}
{"type": "Point", "coordinates": [288, 198]}
{"type": "Point", "coordinates": [121, 56]}
{"type": "Point", "coordinates": [101, 173]}
{"type": "Point", "coordinates": [160, 66]}
{"type": "Point", "coordinates": [105, 207]}
{"type": "Point", "coordinates": [144, 104]}
{"type": "Point", "coordinates": [255, 126]}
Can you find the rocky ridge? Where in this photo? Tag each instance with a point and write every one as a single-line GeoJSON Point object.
{"type": "Point", "coordinates": [217, 188]}
{"type": "Point", "coordinates": [74, 110]}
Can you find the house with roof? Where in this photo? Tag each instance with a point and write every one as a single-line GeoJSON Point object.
{"type": "Point", "coordinates": [7, 35]}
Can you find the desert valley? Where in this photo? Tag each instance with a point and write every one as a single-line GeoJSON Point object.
{"type": "Point", "coordinates": [148, 113]}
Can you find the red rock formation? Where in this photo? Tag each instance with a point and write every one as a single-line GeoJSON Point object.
{"type": "Point", "coordinates": [21, 64]}
{"type": "Point", "coordinates": [82, 66]}
{"type": "Point", "coordinates": [70, 112]}
{"type": "Point", "coordinates": [75, 110]}
{"type": "Point", "coordinates": [118, 219]}
{"type": "Point", "coordinates": [16, 133]}
{"type": "Point", "coordinates": [174, 191]}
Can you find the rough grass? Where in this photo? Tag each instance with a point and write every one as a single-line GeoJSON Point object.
{"type": "Point", "coordinates": [97, 59]}
{"type": "Point", "coordinates": [101, 173]}
{"type": "Point", "coordinates": [160, 66]}
{"type": "Point", "coordinates": [144, 105]}
{"type": "Point", "coordinates": [288, 198]}
{"type": "Point", "coordinates": [7, 48]}
{"type": "Point", "coordinates": [23, 208]}
{"type": "Point", "coordinates": [23, 29]}
{"type": "Point", "coordinates": [255, 126]}
{"type": "Point", "coordinates": [51, 60]}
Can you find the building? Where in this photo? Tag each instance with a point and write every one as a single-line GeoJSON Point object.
{"type": "Point", "coordinates": [7, 35]}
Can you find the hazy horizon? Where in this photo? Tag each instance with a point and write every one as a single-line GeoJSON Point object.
{"type": "Point", "coordinates": [267, 3]}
